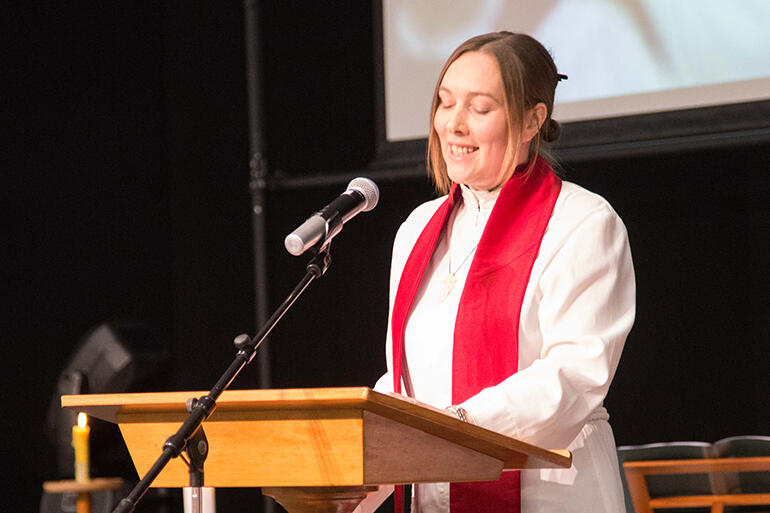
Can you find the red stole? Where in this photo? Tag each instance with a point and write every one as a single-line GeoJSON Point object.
{"type": "Point", "coordinates": [486, 345]}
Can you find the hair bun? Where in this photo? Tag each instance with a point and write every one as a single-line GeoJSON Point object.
{"type": "Point", "coordinates": [551, 130]}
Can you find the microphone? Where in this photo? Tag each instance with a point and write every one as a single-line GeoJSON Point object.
{"type": "Point", "coordinates": [361, 195]}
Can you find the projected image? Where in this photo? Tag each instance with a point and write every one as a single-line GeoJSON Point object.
{"type": "Point", "coordinates": [622, 56]}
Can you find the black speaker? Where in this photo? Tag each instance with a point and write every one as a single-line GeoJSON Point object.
{"type": "Point", "coordinates": [113, 357]}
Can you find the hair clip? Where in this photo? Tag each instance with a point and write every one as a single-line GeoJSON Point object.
{"type": "Point", "coordinates": [560, 77]}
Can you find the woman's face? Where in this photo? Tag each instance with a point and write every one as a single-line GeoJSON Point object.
{"type": "Point", "coordinates": [471, 122]}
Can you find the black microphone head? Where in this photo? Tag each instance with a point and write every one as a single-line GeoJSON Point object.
{"type": "Point", "coordinates": [368, 189]}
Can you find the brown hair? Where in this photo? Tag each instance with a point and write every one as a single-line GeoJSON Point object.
{"type": "Point", "coordinates": [529, 77]}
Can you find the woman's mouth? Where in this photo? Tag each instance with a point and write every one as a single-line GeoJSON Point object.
{"type": "Point", "coordinates": [461, 150]}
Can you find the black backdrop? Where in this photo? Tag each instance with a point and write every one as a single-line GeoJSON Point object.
{"type": "Point", "coordinates": [126, 196]}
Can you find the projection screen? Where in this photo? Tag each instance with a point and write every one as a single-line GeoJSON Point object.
{"type": "Point", "coordinates": [623, 57]}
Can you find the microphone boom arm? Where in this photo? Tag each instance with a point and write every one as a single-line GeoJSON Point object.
{"type": "Point", "coordinates": [202, 407]}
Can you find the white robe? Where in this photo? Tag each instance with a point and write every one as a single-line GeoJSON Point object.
{"type": "Point", "coordinates": [578, 308]}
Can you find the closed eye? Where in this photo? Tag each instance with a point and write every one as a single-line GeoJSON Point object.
{"type": "Point", "coordinates": [481, 107]}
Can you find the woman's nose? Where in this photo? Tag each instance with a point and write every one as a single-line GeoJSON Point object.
{"type": "Point", "coordinates": [456, 122]}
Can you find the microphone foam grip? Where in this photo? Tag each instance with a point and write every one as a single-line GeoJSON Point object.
{"type": "Point", "coordinates": [305, 236]}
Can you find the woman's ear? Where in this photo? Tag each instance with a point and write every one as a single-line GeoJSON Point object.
{"type": "Point", "coordinates": [535, 118]}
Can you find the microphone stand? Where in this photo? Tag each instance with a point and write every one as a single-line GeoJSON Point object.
{"type": "Point", "coordinates": [201, 408]}
{"type": "Point", "coordinates": [197, 450]}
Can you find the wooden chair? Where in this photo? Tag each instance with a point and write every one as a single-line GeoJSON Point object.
{"type": "Point", "coordinates": [636, 473]}
{"type": "Point", "coordinates": [745, 446]}
{"type": "Point", "coordinates": [665, 486]}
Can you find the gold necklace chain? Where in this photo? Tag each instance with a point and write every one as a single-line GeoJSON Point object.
{"type": "Point", "coordinates": [464, 259]}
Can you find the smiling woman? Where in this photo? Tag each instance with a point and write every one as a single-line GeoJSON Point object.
{"type": "Point", "coordinates": [501, 96]}
{"type": "Point", "coordinates": [511, 296]}
{"type": "Point", "coordinates": [471, 122]}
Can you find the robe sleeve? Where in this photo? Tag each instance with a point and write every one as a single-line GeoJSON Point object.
{"type": "Point", "coordinates": [585, 307]}
{"type": "Point", "coordinates": [385, 383]}
{"type": "Point", "coordinates": [407, 235]}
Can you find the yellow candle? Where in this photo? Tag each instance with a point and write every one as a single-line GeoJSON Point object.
{"type": "Point", "coordinates": [80, 435]}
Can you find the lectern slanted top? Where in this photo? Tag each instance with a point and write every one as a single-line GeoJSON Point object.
{"type": "Point", "coordinates": [316, 437]}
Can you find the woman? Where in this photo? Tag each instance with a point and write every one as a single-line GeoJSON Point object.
{"type": "Point", "coordinates": [512, 296]}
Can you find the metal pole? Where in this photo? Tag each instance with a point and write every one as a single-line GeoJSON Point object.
{"type": "Point", "coordinates": [258, 173]}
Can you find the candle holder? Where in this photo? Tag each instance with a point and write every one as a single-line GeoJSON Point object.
{"type": "Point", "coordinates": [83, 489]}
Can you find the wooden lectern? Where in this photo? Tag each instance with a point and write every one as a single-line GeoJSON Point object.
{"type": "Point", "coordinates": [319, 450]}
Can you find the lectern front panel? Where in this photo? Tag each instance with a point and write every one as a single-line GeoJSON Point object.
{"type": "Point", "coordinates": [258, 448]}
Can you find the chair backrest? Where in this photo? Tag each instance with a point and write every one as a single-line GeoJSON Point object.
{"type": "Point", "coordinates": [744, 447]}
{"type": "Point", "coordinates": [668, 485]}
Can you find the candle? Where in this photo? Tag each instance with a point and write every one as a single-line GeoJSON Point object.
{"type": "Point", "coordinates": [80, 435]}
